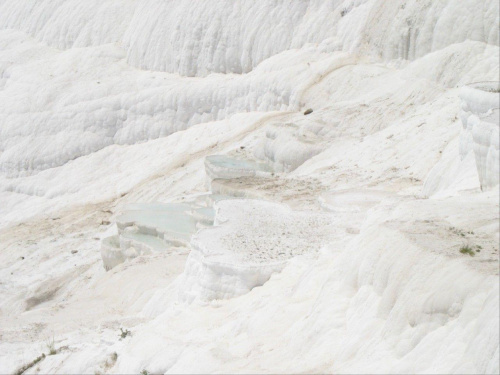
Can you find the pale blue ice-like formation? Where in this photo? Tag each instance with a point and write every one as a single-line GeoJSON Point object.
{"type": "Point", "coordinates": [227, 167]}
{"type": "Point", "coordinates": [145, 228]}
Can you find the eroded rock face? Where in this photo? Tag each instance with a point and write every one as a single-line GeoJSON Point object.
{"type": "Point", "coordinates": [480, 118]}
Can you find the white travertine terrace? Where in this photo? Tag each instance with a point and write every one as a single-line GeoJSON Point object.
{"type": "Point", "coordinates": [228, 167]}
{"type": "Point", "coordinates": [373, 245]}
{"type": "Point", "coordinates": [288, 145]}
{"type": "Point", "coordinates": [250, 241]}
{"type": "Point", "coordinates": [117, 104]}
{"type": "Point", "coordinates": [198, 38]}
{"type": "Point", "coordinates": [147, 228]}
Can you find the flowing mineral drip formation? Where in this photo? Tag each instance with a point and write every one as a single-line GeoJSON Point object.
{"type": "Point", "coordinates": [481, 120]}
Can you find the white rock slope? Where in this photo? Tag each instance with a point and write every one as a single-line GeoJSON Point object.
{"type": "Point", "coordinates": [360, 238]}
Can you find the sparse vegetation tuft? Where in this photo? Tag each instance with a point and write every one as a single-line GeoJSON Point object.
{"type": "Point", "coordinates": [51, 346]}
{"type": "Point", "coordinates": [460, 232]}
{"type": "Point", "coordinates": [466, 249]}
{"type": "Point", "coordinates": [124, 333]}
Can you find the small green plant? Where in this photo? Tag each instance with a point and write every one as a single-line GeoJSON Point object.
{"type": "Point", "coordinates": [51, 346]}
{"type": "Point", "coordinates": [124, 333]}
{"type": "Point", "coordinates": [145, 372]}
{"type": "Point", "coordinates": [466, 249]}
{"type": "Point", "coordinates": [459, 232]}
